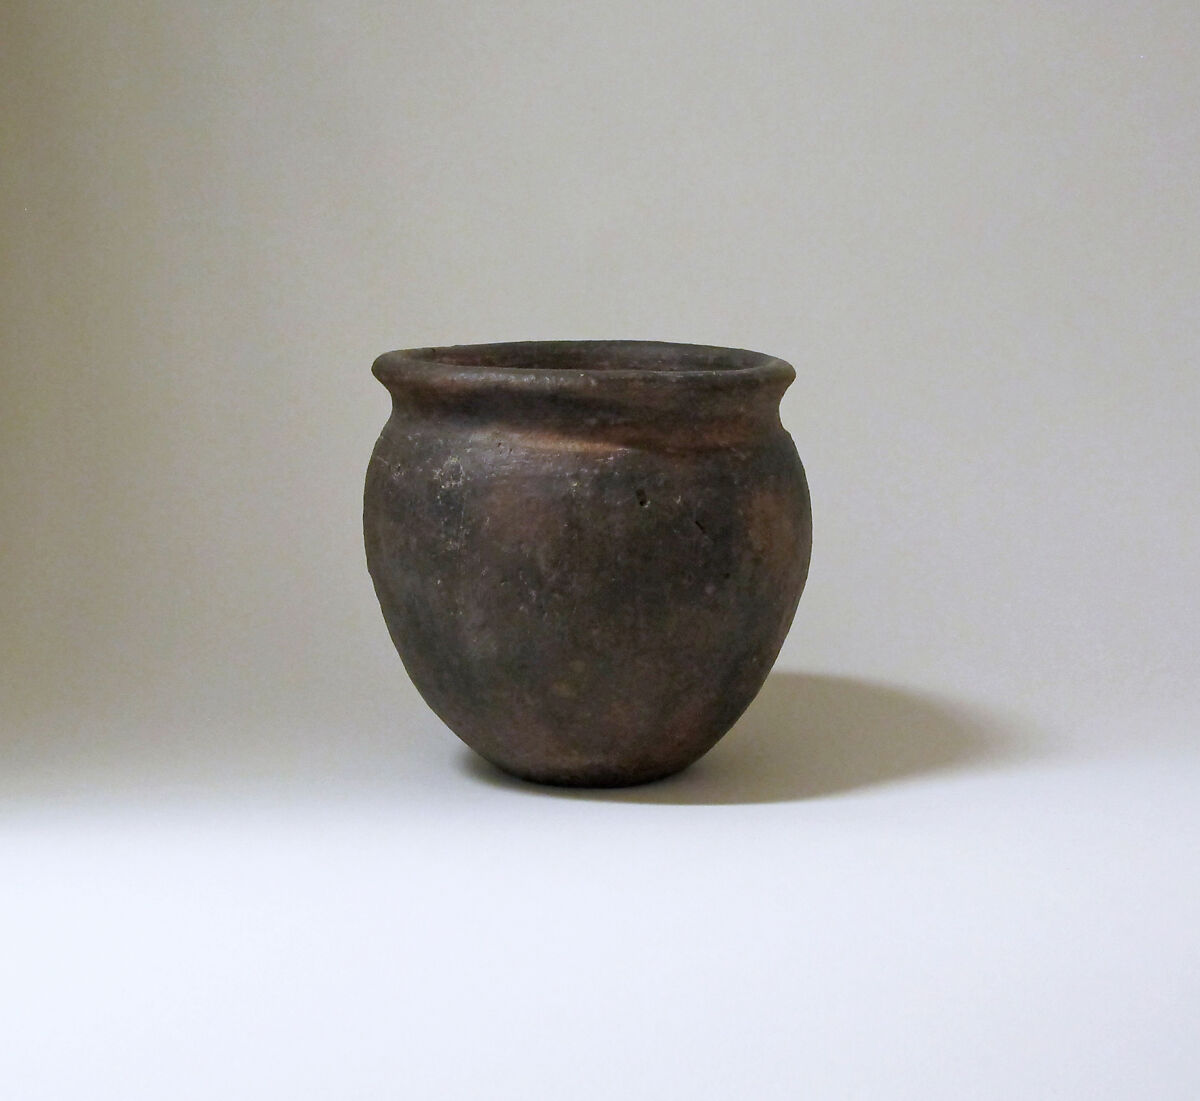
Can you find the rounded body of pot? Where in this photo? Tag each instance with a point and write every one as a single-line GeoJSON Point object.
{"type": "Point", "coordinates": [588, 554]}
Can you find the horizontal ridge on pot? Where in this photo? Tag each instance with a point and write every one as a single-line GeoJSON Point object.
{"type": "Point", "coordinates": [588, 554]}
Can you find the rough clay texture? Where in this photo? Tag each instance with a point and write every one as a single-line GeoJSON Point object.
{"type": "Point", "coordinates": [588, 554]}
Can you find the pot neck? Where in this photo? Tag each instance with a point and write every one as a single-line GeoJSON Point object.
{"type": "Point", "coordinates": [638, 393]}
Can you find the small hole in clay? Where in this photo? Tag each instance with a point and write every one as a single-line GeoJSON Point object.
{"type": "Point", "coordinates": [642, 500]}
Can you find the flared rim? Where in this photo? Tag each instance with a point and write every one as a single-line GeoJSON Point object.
{"type": "Point", "coordinates": [580, 366]}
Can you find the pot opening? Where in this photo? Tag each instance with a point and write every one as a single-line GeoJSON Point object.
{"type": "Point", "coordinates": [638, 389]}
{"type": "Point", "coordinates": [648, 356]}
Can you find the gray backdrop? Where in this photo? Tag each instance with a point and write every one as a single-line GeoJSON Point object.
{"type": "Point", "coordinates": [950, 852]}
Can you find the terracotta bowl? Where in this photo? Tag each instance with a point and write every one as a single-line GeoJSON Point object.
{"type": "Point", "coordinates": [588, 554]}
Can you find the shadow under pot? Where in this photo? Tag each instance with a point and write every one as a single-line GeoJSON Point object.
{"type": "Point", "coordinates": [588, 554]}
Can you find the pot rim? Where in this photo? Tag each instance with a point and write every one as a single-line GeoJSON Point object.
{"type": "Point", "coordinates": [560, 366]}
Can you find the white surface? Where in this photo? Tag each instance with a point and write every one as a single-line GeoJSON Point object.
{"type": "Point", "coordinates": [953, 850]}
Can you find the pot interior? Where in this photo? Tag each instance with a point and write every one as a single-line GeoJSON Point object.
{"type": "Point", "coordinates": [592, 355]}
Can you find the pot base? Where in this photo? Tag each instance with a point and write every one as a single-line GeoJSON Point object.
{"type": "Point", "coordinates": [595, 779]}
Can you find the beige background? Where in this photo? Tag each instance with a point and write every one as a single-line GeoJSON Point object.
{"type": "Point", "coordinates": [950, 852]}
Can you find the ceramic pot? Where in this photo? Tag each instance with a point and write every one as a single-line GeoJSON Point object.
{"type": "Point", "coordinates": [588, 554]}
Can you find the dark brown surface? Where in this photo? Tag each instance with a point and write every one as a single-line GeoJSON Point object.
{"type": "Point", "coordinates": [588, 554]}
